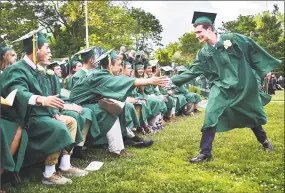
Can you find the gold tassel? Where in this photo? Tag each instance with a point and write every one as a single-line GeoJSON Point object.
{"type": "Point", "coordinates": [34, 49]}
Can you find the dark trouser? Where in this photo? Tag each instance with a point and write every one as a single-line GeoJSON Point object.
{"type": "Point", "coordinates": [209, 135]}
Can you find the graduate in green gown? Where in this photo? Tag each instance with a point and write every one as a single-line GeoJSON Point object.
{"type": "Point", "coordinates": [234, 101]}
{"type": "Point", "coordinates": [14, 138]}
{"type": "Point", "coordinates": [157, 105]}
{"type": "Point", "coordinates": [181, 102]}
{"type": "Point", "coordinates": [141, 104]}
{"type": "Point", "coordinates": [55, 66]}
{"type": "Point", "coordinates": [88, 57]}
{"type": "Point", "coordinates": [101, 83]}
{"type": "Point", "coordinates": [34, 111]}
{"type": "Point", "coordinates": [74, 66]}
{"type": "Point", "coordinates": [168, 94]}
{"type": "Point", "coordinates": [86, 120]}
{"type": "Point", "coordinates": [8, 57]}
{"type": "Point", "coordinates": [129, 118]}
{"type": "Point", "coordinates": [192, 98]}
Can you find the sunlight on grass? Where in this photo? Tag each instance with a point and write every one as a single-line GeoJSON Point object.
{"type": "Point", "coordinates": [279, 96]}
{"type": "Point", "coordinates": [239, 163]}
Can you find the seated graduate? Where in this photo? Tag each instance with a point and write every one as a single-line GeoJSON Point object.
{"type": "Point", "coordinates": [14, 138]}
{"type": "Point", "coordinates": [157, 105]}
{"type": "Point", "coordinates": [48, 133]}
{"type": "Point", "coordinates": [86, 120]}
{"type": "Point", "coordinates": [192, 98]}
{"type": "Point", "coordinates": [168, 93]}
{"type": "Point", "coordinates": [129, 118]}
{"type": "Point", "coordinates": [100, 83]}
{"type": "Point", "coordinates": [55, 66]}
{"type": "Point", "coordinates": [74, 65]}
{"type": "Point", "coordinates": [88, 58]}
{"type": "Point", "coordinates": [142, 105]}
{"type": "Point", "coordinates": [8, 56]}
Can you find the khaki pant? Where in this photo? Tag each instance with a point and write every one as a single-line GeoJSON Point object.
{"type": "Point", "coordinates": [84, 132]}
{"type": "Point", "coordinates": [71, 124]}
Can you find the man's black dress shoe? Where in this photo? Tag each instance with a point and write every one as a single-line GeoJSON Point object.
{"type": "Point", "coordinates": [200, 158]}
{"type": "Point", "coordinates": [79, 154]}
{"type": "Point", "coordinates": [267, 146]}
{"type": "Point", "coordinates": [137, 141]}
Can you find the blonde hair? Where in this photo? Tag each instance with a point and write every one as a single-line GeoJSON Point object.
{"type": "Point", "coordinates": [5, 60]}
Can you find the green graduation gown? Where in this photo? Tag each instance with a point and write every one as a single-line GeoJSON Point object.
{"type": "Point", "coordinates": [181, 99]}
{"type": "Point", "coordinates": [146, 110]}
{"type": "Point", "coordinates": [52, 84]}
{"type": "Point", "coordinates": [46, 134]}
{"type": "Point", "coordinates": [8, 130]}
{"type": "Point", "coordinates": [234, 99]}
{"type": "Point", "coordinates": [129, 118]}
{"type": "Point", "coordinates": [70, 82]}
{"type": "Point", "coordinates": [98, 84]}
{"type": "Point", "coordinates": [170, 100]}
{"type": "Point", "coordinates": [150, 90]}
{"type": "Point", "coordinates": [190, 97]}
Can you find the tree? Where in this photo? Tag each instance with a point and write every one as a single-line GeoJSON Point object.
{"type": "Point", "coordinates": [17, 19]}
{"type": "Point", "coordinates": [266, 28]}
{"type": "Point", "coordinates": [147, 29]}
{"type": "Point", "coordinates": [271, 36]}
{"type": "Point", "coordinates": [189, 45]}
{"type": "Point", "coordinates": [163, 57]}
{"type": "Point", "coordinates": [243, 25]}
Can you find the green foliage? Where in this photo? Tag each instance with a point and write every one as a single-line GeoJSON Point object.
{"type": "Point", "coordinates": [182, 59]}
{"type": "Point", "coordinates": [163, 57]}
{"type": "Point", "coordinates": [239, 164]}
{"type": "Point", "coordinates": [242, 25]}
{"type": "Point", "coordinates": [110, 25]}
{"type": "Point", "coordinates": [267, 29]}
{"type": "Point", "coordinates": [147, 29]}
{"type": "Point", "coordinates": [195, 89]}
{"type": "Point", "coordinates": [189, 45]}
{"type": "Point", "coordinates": [17, 19]}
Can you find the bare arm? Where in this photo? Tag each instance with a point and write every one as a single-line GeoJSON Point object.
{"type": "Point", "coordinates": [153, 80]}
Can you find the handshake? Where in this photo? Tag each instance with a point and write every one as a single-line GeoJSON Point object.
{"type": "Point", "coordinates": [161, 81]}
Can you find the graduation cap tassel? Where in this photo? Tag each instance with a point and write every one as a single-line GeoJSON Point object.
{"type": "Point", "coordinates": [34, 49]}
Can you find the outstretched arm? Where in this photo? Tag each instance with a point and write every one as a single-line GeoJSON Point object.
{"type": "Point", "coordinates": [153, 80]}
{"type": "Point", "coordinates": [195, 70]}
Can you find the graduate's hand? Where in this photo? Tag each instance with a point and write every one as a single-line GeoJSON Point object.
{"type": "Point", "coordinates": [161, 81]}
{"type": "Point", "coordinates": [51, 101]}
{"type": "Point", "coordinates": [73, 107]}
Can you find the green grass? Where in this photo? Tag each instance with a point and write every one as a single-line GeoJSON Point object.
{"type": "Point", "coordinates": [279, 96]}
{"type": "Point", "coordinates": [239, 164]}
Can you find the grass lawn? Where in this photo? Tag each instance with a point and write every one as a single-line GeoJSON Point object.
{"type": "Point", "coordinates": [279, 96]}
{"type": "Point", "coordinates": [239, 164]}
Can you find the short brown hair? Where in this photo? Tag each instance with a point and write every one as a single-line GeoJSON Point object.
{"type": "Point", "coordinates": [205, 26]}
